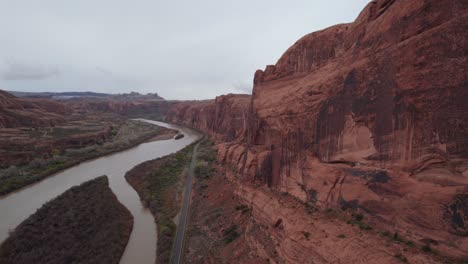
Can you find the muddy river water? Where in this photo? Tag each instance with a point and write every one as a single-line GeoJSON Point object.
{"type": "Point", "coordinates": [141, 247]}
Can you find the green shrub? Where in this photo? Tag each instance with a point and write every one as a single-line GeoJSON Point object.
{"type": "Point", "coordinates": [204, 171]}
{"type": "Point", "coordinates": [357, 220]}
{"type": "Point", "coordinates": [114, 132]}
{"type": "Point", "coordinates": [9, 172]}
{"type": "Point", "coordinates": [358, 217]}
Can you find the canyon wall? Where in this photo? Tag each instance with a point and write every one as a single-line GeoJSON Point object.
{"type": "Point", "coordinates": [370, 115]}
{"type": "Point", "coordinates": [224, 118]}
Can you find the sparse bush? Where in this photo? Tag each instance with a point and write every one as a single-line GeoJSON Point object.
{"type": "Point", "coordinates": [56, 152]}
{"type": "Point", "coordinates": [204, 171]}
{"type": "Point", "coordinates": [79, 151]}
{"type": "Point", "coordinates": [9, 172]}
{"type": "Point", "coordinates": [37, 164]}
{"type": "Point", "coordinates": [357, 220]}
{"type": "Point", "coordinates": [397, 238]}
{"type": "Point", "coordinates": [426, 248]}
{"type": "Point", "coordinates": [364, 226]}
{"type": "Point", "coordinates": [114, 132]}
{"type": "Point", "coordinates": [230, 234]}
{"type": "Point", "coordinates": [359, 217]}
{"type": "Point", "coordinates": [243, 208]}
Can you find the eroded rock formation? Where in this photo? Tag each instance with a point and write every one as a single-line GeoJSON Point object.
{"type": "Point", "coordinates": [225, 118]}
{"type": "Point", "coordinates": [370, 115]}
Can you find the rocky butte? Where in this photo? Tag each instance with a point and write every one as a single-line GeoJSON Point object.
{"type": "Point", "coordinates": [371, 116]}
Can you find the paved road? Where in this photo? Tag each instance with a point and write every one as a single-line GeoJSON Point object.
{"type": "Point", "coordinates": [180, 233]}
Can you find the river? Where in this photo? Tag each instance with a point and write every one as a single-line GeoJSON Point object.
{"type": "Point", "coordinates": [141, 247]}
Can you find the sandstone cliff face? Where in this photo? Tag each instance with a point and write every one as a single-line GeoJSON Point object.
{"type": "Point", "coordinates": [17, 112]}
{"type": "Point", "coordinates": [395, 79]}
{"type": "Point", "coordinates": [224, 118]}
{"type": "Point", "coordinates": [371, 115]}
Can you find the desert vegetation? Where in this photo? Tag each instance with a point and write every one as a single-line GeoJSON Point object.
{"type": "Point", "coordinates": [86, 224]}
{"type": "Point", "coordinates": [221, 223]}
{"type": "Point", "coordinates": [122, 136]}
{"type": "Point", "coordinates": [159, 183]}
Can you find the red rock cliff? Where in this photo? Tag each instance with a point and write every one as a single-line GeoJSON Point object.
{"type": "Point", "coordinates": [224, 118]}
{"type": "Point", "coordinates": [371, 115]}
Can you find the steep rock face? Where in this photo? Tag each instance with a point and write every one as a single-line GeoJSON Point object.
{"type": "Point", "coordinates": [16, 112]}
{"type": "Point", "coordinates": [388, 91]}
{"type": "Point", "coordinates": [225, 118]}
{"type": "Point", "coordinates": [396, 76]}
{"type": "Point", "coordinates": [370, 115]}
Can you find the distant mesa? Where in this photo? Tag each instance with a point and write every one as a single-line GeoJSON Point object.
{"type": "Point", "coordinates": [71, 95]}
{"type": "Point", "coordinates": [29, 109]}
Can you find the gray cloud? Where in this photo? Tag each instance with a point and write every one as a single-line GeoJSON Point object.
{"type": "Point", "coordinates": [181, 49]}
{"type": "Point", "coordinates": [21, 72]}
{"type": "Point", "coordinates": [104, 71]}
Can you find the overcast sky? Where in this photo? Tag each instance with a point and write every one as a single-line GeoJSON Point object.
{"type": "Point", "coordinates": [181, 49]}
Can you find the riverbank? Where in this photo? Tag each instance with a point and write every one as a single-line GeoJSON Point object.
{"type": "Point", "coordinates": [129, 134]}
{"type": "Point", "coordinates": [159, 183]}
{"type": "Point", "coordinates": [86, 224]}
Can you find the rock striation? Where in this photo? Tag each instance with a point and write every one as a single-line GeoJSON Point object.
{"type": "Point", "coordinates": [225, 117]}
{"type": "Point", "coordinates": [370, 115]}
